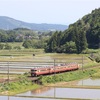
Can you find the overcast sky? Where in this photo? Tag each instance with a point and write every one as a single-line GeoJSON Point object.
{"type": "Point", "coordinates": [47, 11]}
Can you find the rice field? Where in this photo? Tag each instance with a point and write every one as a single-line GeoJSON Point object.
{"type": "Point", "coordinates": [26, 55]}
{"type": "Point", "coordinates": [21, 61]}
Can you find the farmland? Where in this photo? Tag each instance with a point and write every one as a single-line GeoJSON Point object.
{"type": "Point", "coordinates": [21, 61]}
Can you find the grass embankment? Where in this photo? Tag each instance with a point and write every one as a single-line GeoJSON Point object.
{"type": "Point", "coordinates": [96, 75]}
{"type": "Point", "coordinates": [22, 85]}
{"type": "Point", "coordinates": [70, 76]}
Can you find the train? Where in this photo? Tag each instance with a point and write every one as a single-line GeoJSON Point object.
{"type": "Point", "coordinates": [54, 69]}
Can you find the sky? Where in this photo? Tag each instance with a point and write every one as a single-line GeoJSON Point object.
{"type": "Point", "coordinates": [47, 11]}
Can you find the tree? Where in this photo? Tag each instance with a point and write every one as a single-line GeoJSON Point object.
{"type": "Point", "coordinates": [1, 46]}
{"type": "Point", "coordinates": [81, 41]}
{"type": "Point", "coordinates": [70, 47]}
{"type": "Point", "coordinates": [3, 37]}
{"type": "Point", "coordinates": [27, 44]}
{"type": "Point", "coordinates": [54, 43]}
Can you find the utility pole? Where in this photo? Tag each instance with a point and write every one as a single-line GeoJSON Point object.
{"type": "Point", "coordinates": [54, 80]}
{"type": "Point", "coordinates": [82, 62]}
{"type": "Point", "coordinates": [8, 72]}
{"type": "Point", "coordinates": [54, 67]}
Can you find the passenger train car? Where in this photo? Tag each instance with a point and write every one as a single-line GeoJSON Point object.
{"type": "Point", "coordinates": [54, 69]}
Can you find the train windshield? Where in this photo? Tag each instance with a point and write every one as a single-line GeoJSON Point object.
{"type": "Point", "coordinates": [32, 70]}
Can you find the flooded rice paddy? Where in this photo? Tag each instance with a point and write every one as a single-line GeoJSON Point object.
{"type": "Point", "coordinates": [66, 93]}
{"type": "Point", "coordinates": [70, 93]}
{"type": "Point", "coordinates": [58, 93]}
{"type": "Point", "coordinates": [89, 82]}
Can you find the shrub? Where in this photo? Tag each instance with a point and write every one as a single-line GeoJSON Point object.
{"type": "Point", "coordinates": [8, 47]}
{"type": "Point", "coordinates": [97, 59]}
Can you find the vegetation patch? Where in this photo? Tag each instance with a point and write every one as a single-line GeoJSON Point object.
{"type": "Point", "coordinates": [96, 75]}
{"type": "Point", "coordinates": [68, 76]}
{"type": "Point", "coordinates": [12, 88]}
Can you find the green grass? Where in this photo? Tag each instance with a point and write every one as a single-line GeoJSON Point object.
{"type": "Point", "coordinates": [13, 44]}
{"type": "Point", "coordinates": [22, 52]}
{"type": "Point", "coordinates": [69, 76]}
{"type": "Point", "coordinates": [96, 75]}
{"type": "Point", "coordinates": [22, 85]}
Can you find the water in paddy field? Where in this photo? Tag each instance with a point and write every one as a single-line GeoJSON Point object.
{"type": "Point", "coordinates": [21, 98]}
{"type": "Point", "coordinates": [59, 93]}
{"type": "Point", "coordinates": [69, 92]}
{"type": "Point", "coordinates": [46, 93]}
{"type": "Point", "coordinates": [66, 93]}
{"type": "Point", "coordinates": [89, 82]}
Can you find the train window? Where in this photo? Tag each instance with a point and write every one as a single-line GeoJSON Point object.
{"type": "Point", "coordinates": [43, 70]}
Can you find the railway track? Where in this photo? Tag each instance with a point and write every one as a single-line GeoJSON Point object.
{"type": "Point", "coordinates": [22, 67]}
{"type": "Point", "coordinates": [36, 78]}
{"type": "Point", "coordinates": [84, 68]}
{"type": "Point", "coordinates": [33, 78]}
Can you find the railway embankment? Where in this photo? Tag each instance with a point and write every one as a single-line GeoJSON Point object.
{"type": "Point", "coordinates": [71, 76]}
{"type": "Point", "coordinates": [25, 84]}
{"type": "Point", "coordinates": [18, 86]}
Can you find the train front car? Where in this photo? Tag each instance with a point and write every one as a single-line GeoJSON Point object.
{"type": "Point", "coordinates": [33, 72]}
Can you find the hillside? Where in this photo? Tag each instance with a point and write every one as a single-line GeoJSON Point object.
{"type": "Point", "coordinates": [10, 23]}
{"type": "Point", "coordinates": [83, 34]}
{"type": "Point", "coordinates": [90, 26]}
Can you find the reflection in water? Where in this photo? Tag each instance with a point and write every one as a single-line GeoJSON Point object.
{"type": "Point", "coordinates": [8, 98]}
{"type": "Point", "coordinates": [68, 93]}
{"type": "Point", "coordinates": [41, 90]}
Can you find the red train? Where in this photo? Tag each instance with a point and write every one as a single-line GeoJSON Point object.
{"type": "Point", "coordinates": [54, 69]}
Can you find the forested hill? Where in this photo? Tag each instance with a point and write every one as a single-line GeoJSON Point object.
{"type": "Point", "coordinates": [10, 23]}
{"type": "Point", "coordinates": [83, 34]}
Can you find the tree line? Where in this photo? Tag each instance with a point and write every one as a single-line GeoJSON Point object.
{"type": "Point", "coordinates": [30, 38]}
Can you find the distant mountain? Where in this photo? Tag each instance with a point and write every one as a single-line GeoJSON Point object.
{"type": "Point", "coordinates": [7, 23]}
